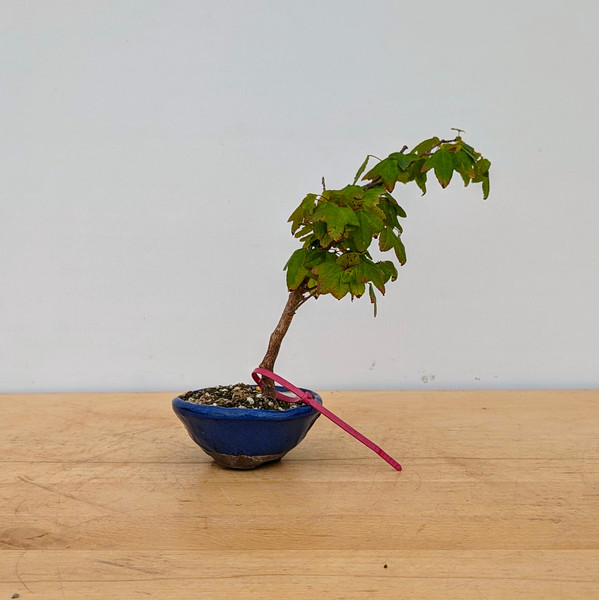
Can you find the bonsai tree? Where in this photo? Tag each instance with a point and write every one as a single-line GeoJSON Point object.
{"type": "Point", "coordinates": [338, 228]}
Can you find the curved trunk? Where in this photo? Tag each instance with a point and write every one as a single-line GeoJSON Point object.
{"type": "Point", "coordinates": [296, 298]}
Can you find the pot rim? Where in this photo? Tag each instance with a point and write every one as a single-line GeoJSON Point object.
{"type": "Point", "coordinates": [220, 412]}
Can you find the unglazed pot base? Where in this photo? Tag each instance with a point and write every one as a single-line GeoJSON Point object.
{"type": "Point", "coordinates": [241, 461]}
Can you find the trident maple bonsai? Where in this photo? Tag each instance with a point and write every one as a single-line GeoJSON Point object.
{"type": "Point", "coordinates": [337, 228]}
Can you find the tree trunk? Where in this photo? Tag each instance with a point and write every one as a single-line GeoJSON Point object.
{"type": "Point", "coordinates": [296, 298]}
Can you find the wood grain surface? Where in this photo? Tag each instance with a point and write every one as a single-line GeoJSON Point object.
{"type": "Point", "coordinates": [105, 496]}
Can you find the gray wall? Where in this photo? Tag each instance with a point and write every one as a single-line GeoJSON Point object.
{"type": "Point", "coordinates": [151, 152]}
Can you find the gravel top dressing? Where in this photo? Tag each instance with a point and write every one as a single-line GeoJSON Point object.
{"type": "Point", "coordinates": [239, 395]}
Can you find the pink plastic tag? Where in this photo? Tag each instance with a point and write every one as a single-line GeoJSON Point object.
{"type": "Point", "coordinates": [308, 399]}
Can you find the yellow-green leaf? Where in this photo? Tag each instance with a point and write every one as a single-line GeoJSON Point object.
{"type": "Point", "coordinates": [386, 239]}
{"type": "Point", "coordinates": [361, 169]}
{"type": "Point", "coordinates": [387, 171]}
{"type": "Point", "coordinates": [337, 218]}
{"type": "Point", "coordinates": [330, 280]}
{"type": "Point", "coordinates": [426, 146]}
{"type": "Point", "coordinates": [296, 271]}
{"type": "Point", "coordinates": [442, 162]}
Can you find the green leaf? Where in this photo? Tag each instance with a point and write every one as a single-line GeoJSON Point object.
{"type": "Point", "coordinates": [426, 146]}
{"type": "Point", "coordinates": [404, 160]}
{"type": "Point", "coordinates": [307, 240]}
{"type": "Point", "coordinates": [472, 153]}
{"type": "Point", "coordinates": [400, 250]}
{"type": "Point", "coordinates": [317, 256]}
{"type": "Point", "coordinates": [320, 230]}
{"type": "Point", "coordinates": [387, 170]}
{"type": "Point", "coordinates": [390, 240]}
{"type": "Point", "coordinates": [349, 260]}
{"type": "Point", "coordinates": [371, 202]}
{"type": "Point", "coordinates": [370, 225]}
{"type": "Point", "coordinates": [399, 211]}
{"type": "Point", "coordinates": [442, 162]}
{"type": "Point", "coordinates": [356, 288]}
{"type": "Point", "coordinates": [389, 269]}
{"type": "Point", "coordinates": [298, 215]}
{"type": "Point", "coordinates": [330, 280]}
{"type": "Point", "coordinates": [369, 271]}
{"type": "Point", "coordinates": [362, 237]}
{"type": "Point", "coordinates": [486, 187]}
{"type": "Point", "coordinates": [465, 179]}
{"type": "Point", "coordinates": [386, 239]}
{"type": "Point", "coordinates": [372, 193]}
{"type": "Point", "coordinates": [404, 176]}
{"type": "Point", "coordinates": [296, 271]}
{"type": "Point", "coordinates": [304, 230]}
{"type": "Point", "coordinates": [386, 203]}
{"type": "Point", "coordinates": [463, 163]}
{"type": "Point", "coordinates": [349, 195]}
{"type": "Point", "coordinates": [361, 169]}
{"type": "Point", "coordinates": [418, 174]}
{"type": "Point", "coordinates": [337, 218]}
{"type": "Point", "coordinates": [483, 166]}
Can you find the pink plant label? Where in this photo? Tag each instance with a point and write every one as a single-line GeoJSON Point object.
{"type": "Point", "coordinates": [307, 398]}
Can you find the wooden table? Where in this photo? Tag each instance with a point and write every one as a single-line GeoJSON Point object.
{"type": "Point", "coordinates": [105, 496]}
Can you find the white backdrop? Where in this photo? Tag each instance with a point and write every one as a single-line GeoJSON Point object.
{"type": "Point", "coordinates": [151, 152]}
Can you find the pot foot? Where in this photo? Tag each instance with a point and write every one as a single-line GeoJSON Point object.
{"type": "Point", "coordinates": [241, 461]}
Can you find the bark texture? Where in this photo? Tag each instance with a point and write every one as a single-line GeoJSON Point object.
{"type": "Point", "coordinates": [296, 298]}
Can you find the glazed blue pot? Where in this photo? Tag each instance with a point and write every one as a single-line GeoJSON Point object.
{"type": "Point", "coordinates": [245, 438]}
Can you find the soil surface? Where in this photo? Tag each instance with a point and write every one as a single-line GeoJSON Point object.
{"type": "Point", "coordinates": [239, 395]}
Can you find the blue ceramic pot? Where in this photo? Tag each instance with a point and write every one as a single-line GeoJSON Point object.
{"type": "Point", "coordinates": [245, 438]}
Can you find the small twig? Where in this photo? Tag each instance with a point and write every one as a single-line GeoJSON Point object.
{"type": "Point", "coordinates": [306, 297]}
